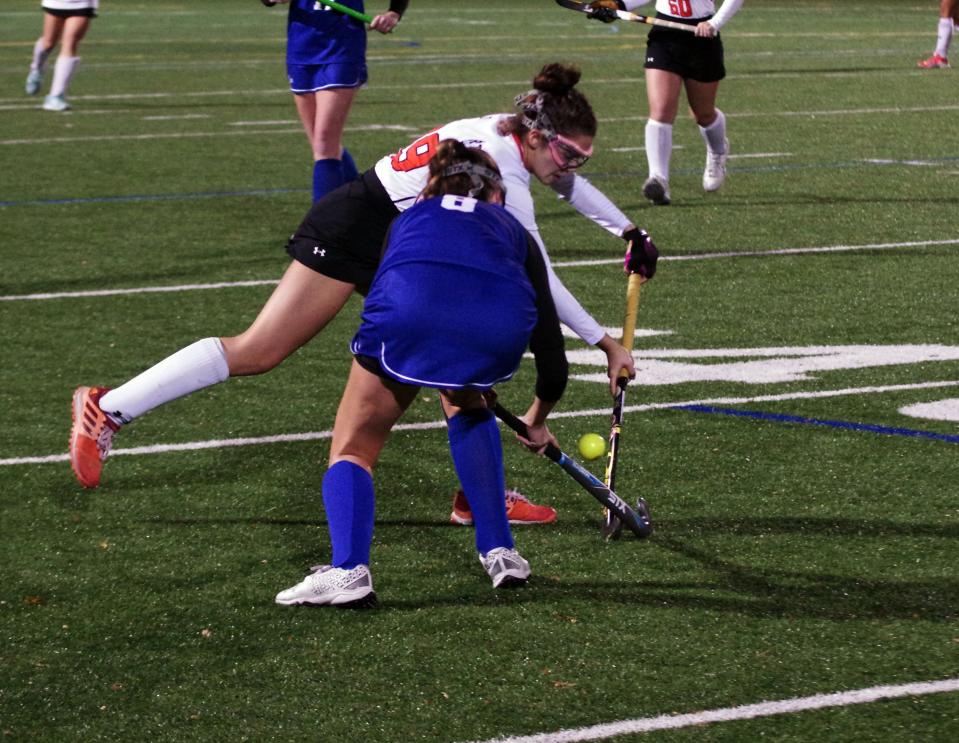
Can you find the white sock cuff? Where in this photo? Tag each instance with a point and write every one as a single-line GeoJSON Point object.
{"type": "Point", "coordinates": [218, 364]}
{"type": "Point", "coordinates": [719, 122]}
{"type": "Point", "coordinates": [653, 124]}
{"type": "Point", "coordinates": [714, 135]}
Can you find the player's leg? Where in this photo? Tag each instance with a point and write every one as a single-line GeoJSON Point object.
{"type": "Point", "coordinates": [369, 408]}
{"type": "Point", "coordinates": [948, 16]}
{"type": "Point", "coordinates": [478, 457]}
{"type": "Point", "coordinates": [301, 305]}
{"type": "Point", "coordinates": [712, 127]}
{"type": "Point", "coordinates": [662, 90]}
{"type": "Point", "coordinates": [74, 29]}
{"type": "Point", "coordinates": [323, 114]}
{"type": "Point", "coordinates": [52, 29]}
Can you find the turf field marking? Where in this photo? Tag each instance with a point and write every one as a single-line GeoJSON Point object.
{"type": "Point", "coordinates": [745, 155]}
{"type": "Point", "coordinates": [140, 290]}
{"type": "Point", "coordinates": [597, 412]}
{"type": "Point", "coordinates": [940, 410]}
{"type": "Point", "coordinates": [847, 425]}
{"type": "Point", "coordinates": [744, 712]}
{"type": "Point", "coordinates": [558, 264]}
{"type": "Point", "coordinates": [766, 253]}
{"type": "Point", "coordinates": [176, 117]}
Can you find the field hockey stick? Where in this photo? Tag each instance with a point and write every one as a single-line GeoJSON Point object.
{"type": "Point", "coordinates": [639, 525]}
{"type": "Point", "coordinates": [612, 525]}
{"type": "Point", "coordinates": [625, 15]}
{"type": "Point", "coordinates": [347, 11]}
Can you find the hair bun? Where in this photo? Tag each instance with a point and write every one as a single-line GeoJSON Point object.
{"type": "Point", "coordinates": [556, 78]}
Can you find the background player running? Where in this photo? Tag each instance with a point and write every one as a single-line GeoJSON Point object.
{"type": "Point", "coordinates": [460, 294]}
{"type": "Point", "coordinates": [326, 65]}
{"type": "Point", "coordinates": [948, 18]}
{"type": "Point", "coordinates": [677, 60]}
{"type": "Point", "coordinates": [65, 22]}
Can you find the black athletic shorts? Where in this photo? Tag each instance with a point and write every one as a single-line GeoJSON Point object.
{"type": "Point", "coordinates": [62, 13]}
{"type": "Point", "coordinates": [343, 233]}
{"type": "Point", "coordinates": [687, 55]}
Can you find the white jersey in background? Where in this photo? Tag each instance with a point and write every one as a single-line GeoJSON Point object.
{"type": "Point", "coordinates": [692, 9]}
{"type": "Point", "coordinates": [404, 176]}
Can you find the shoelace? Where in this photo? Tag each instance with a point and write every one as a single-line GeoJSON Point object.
{"type": "Point", "coordinates": [104, 441]}
{"type": "Point", "coordinates": [512, 497]}
{"type": "Point", "coordinates": [715, 162]}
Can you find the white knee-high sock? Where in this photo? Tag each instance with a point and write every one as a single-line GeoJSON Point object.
{"type": "Point", "coordinates": [659, 148]}
{"type": "Point", "coordinates": [40, 54]}
{"type": "Point", "coordinates": [62, 73]}
{"type": "Point", "coordinates": [199, 365]}
{"type": "Point", "coordinates": [714, 135]}
{"type": "Point", "coordinates": [944, 37]}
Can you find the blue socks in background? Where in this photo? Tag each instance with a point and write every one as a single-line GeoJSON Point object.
{"type": "Point", "coordinates": [331, 173]}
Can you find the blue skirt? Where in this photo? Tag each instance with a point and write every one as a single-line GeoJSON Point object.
{"type": "Point", "coordinates": [441, 326]}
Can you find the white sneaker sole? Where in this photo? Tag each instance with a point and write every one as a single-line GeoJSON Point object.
{"type": "Point", "coordinates": [358, 597]}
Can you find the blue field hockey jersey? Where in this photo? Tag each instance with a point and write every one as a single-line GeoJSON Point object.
{"type": "Point", "coordinates": [452, 304]}
{"type": "Point", "coordinates": [317, 35]}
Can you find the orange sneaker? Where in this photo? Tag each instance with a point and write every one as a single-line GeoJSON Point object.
{"type": "Point", "coordinates": [934, 62]}
{"type": "Point", "coordinates": [518, 510]}
{"type": "Point", "coordinates": [91, 435]}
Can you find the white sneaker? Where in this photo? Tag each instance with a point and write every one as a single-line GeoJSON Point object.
{"type": "Point", "coordinates": [715, 172]}
{"type": "Point", "coordinates": [332, 586]}
{"type": "Point", "coordinates": [55, 103]}
{"type": "Point", "coordinates": [656, 189]}
{"type": "Point", "coordinates": [505, 566]}
{"type": "Point", "coordinates": [34, 81]}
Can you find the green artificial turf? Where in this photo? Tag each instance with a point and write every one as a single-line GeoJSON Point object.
{"type": "Point", "coordinates": [788, 559]}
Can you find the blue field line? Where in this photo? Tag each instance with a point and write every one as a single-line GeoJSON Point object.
{"type": "Point", "coordinates": [154, 197]}
{"type": "Point", "coordinates": [778, 418]}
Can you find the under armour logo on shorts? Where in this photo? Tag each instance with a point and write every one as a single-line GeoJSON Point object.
{"type": "Point", "coordinates": [318, 251]}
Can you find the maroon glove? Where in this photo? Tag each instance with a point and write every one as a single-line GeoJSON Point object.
{"type": "Point", "coordinates": [641, 253]}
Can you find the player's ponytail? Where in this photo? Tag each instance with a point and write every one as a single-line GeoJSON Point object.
{"type": "Point", "coordinates": [462, 171]}
{"type": "Point", "coordinates": [554, 106]}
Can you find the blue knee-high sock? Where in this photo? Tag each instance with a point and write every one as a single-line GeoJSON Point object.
{"type": "Point", "coordinates": [327, 175]}
{"type": "Point", "coordinates": [349, 501]}
{"type": "Point", "coordinates": [478, 458]}
{"type": "Point", "coordinates": [349, 166]}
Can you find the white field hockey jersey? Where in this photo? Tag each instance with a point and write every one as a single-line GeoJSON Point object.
{"type": "Point", "coordinates": [70, 4]}
{"type": "Point", "coordinates": [692, 9]}
{"type": "Point", "coordinates": [405, 173]}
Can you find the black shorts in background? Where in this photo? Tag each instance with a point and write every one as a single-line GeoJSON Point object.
{"type": "Point", "coordinates": [687, 55]}
{"type": "Point", "coordinates": [63, 13]}
{"type": "Point", "coordinates": [342, 235]}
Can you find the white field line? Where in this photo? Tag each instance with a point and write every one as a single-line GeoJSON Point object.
{"type": "Point", "coordinates": [745, 712]}
{"type": "Point", "coordinates": [597, 412]}
{"type": "Point", "coordinates": [764, 253]}
{"type": "Point", "coordinates": [140, 290]}
{"type": "Point", "coordinates": [746, 155]}
{"type": "Point", "coordinates": [202, 135]}
{"type": "Point", "coordinates": [558, 264]}
{"type": "Point", "coordinates": [376, 127]}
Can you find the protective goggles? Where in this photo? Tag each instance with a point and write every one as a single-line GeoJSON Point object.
{"type": "Point", "coordinates": [566, 153]}
{"type": "Point", "coordinates": [480, 177]}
